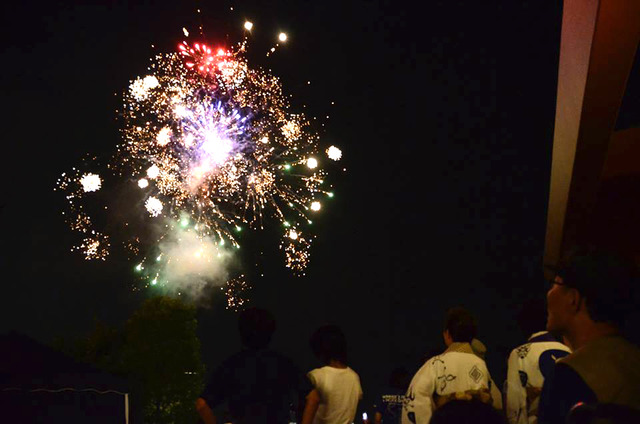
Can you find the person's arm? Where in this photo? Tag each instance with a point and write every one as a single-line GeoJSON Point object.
{"type": "Point", "coordinates": [496, 396]}
{"type": "Point", "coordinates": [206, 414]}
{"type": "Point", "coordinates": [419, 408]}
{"type": "Point", "coordinates": [516, 392]}
{"type": "Point", "coordinates": [311, 407]}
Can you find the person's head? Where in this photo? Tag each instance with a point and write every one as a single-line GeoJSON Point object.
{"type": "Point", "coordinates": [399, 378]}
{"type": "Point", "coordinates": [466, 412]}
{"type": "Point", "coordinates": [329, 343]}
{"type": "Point", "coordinates": [459, 326]}
{"type": "Point", "coordinates": [531, 317]}
{"type": "Point", "coordinates": [256, 327]}
{"type": "Point", "coordinates": [591, 285]}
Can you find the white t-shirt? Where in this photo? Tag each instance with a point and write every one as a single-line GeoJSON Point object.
{"type": "Point", "coordinates": [525, 375]}
{"type": "Point", "coordinates": [339, 390]}
{"type": "Point", "coordinates": [446, 374]}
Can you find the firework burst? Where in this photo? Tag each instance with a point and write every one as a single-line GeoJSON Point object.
{"type": "Point", "coordinates": [209, 144]}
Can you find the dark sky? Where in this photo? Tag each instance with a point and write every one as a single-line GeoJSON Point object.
{"type": "Point", "coordinates": [445, 117]}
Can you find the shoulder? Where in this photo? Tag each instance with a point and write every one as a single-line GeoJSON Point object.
{"type": "Point", "coordinates": [352, 372]}
{"type": "Point", "coordinates": [564, 378]}
{"type": "Point", "coordinates": [316, 374]}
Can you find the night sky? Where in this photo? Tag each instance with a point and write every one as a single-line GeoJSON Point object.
{"type": "Point", "coordinates": [445, 117]}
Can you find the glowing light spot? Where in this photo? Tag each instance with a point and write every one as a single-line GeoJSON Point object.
{"type": "Point", "coordinates": [264, 139]}
{"type": "Point", "coordinates": [181, 111]}
{"type": "Point", "coordinates": [154, 281]}
{"type": "Point", "coordinates": [154, 206]}
{"type": "Point", "coordinates": [315, 206]}
{"type": "Point", "coordinates": [248, 25]}
{"type": "Point", "coordinates": [188, 140]}
{"type": "Point", "coordinates": [143, 183]}
{"type": "Point", "coordinates": [139, 267]}
{"type": "Point", "coordinates": [153, 172]}
{"type": "Point", "coordinates": [293, 235]}
{"type": "Point", "coordinates": [282, 37]}
{"type": "Point", "coordinates": [312, 163]}
{"type": "Point", "coordinates": [91, 182]}
{"type": "Point", "coordinates": [186, 34]}
{"type": "Point", "coordinates": [334, 153]}
{"type": "Point", "coordinates": [164, 136]}
{"type": "Point", "coordinates": [218, 148]}
{"type": "Point", "coordinates": [330, 194]}
{"type": "Point", "coordinates": [151, 82]}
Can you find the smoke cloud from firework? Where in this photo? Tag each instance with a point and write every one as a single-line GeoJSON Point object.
{"type": "Point", "coordinates": [189, 262]}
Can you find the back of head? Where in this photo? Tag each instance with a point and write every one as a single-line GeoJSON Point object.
{"type": "Point", "coordinates": [466, 412]}
{"type": "Point", "coordinates": [329, 343]}
{"type": "Point", "coordinates": [399, 378]}
{"type": "Point", "coordinates": [256, 327]}
{"type": "Point", "coordinates": [604, 278]}
{"type": "Point", "coordinates": [460, 324]}
{"type": "Point", "coordinates": [532, 316]}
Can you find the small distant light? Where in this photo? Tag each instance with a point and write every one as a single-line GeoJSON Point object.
{"type": "Point", "coordinates": [184, 222]}
{"type": "Point", "coordinates": [238, 228]}
{"type": "Point", "coordinates": [312, 163]}
{"type": "Point", "coordinates": [286, 224]}
{"type": "Point", "coordinates": [315, 206]}
{"type": "Point", "coordinates": [139, 267]}
{"type": "Point", "coordinates": [287, 167]}
{"type": "Point", "coordinates": [293, 235]}
{"type": "Point", "coordinates": [248, 25]}
{"type": "Point", "coordinates": [91, 182]}
{"type": "Point", "coordinates": [282, 37]}
{"type": "Point", "coordinates": [143, 183]}
{"type": "Point", "coordinates": [186, 33]}
{"type": "Point", "coordinates": [334, 153]}
{"type": "Point", "coordinates": [154, 281]}
{"type": "Point", "coordinates": [153, 171]}
{"type": "Point", "coordinates": [264, 139]}
{"type": "Point", "coordinates": [330, 194]}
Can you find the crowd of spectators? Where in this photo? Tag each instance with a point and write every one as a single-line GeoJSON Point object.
{"type": "Point", "coordinates": [579, 369]}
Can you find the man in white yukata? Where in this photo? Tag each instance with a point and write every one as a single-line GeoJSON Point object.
{"type": "Point", "coordinates": [458, 373]}
{"type": "Point", "coordinates": [529, 364]}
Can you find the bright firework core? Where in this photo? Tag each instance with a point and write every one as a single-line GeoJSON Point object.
{"type": "Point", "coordinates": [212, 135]}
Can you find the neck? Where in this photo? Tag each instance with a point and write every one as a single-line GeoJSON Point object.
{"type": "Point", "coordinates": [334, 363]}
{"type": "Point", "coordinates": [589, 332]}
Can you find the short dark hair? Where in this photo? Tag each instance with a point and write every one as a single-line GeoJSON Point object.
{"type": "Point", "coordinates": [460, 324]}
{"type": "Point", "coordinates": [532, 316]}
{"type": "Point", "coordinates": [328, 342]}
{"type": "Point", "coordinates": [604, 278]}
{"type": "Point", "coordinates": [399, 378]}
{"type": "Point", "coordinates": [256, 327]}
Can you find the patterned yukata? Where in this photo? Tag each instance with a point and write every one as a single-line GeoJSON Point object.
{"type": "Point", "coordinates": [458, 373]}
